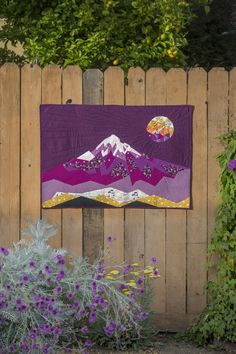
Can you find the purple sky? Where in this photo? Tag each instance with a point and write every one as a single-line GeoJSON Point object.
{"type": "Point", "coordinates": [70, 130]}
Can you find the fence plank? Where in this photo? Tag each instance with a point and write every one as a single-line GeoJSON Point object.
{"type": "Point", "coordinates": [72, 80]}
{"type": "Point", "coordinates": [30, 142]}
{"type": "Point", "coordinates": [155, 231]}
{"type": "Point", "coordinates": [9, 154]}
{"type": "Point", "coordinates": [217, 125]}
{"type": "Point", "coordinates": [114, 218]}
{"type": "Point", "coordinates": [176, 219]}
{"type": "Point", "coordinates": [197, 218]}
{"type": "Point", "coordinates": [51, 93]}
{"type": "Point", "coordinates": [232, 99]}
{"type": "Point", "coordinates": [134, 218]}
{"type": "Point", "coordinates": [93, 219]}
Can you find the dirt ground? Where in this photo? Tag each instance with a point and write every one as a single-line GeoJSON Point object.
{"type": "Point", "coordinates": [167, 344]}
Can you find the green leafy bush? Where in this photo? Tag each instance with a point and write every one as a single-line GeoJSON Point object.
{"type": "Point", "coordinates": [51, 301]}
{"type": "Point", "coordinates": [218, 320]}
{"type": "Point", "coordinates": [92, 33]}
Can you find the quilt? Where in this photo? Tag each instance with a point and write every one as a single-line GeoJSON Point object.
{"type": "Point", "coordinates": [108, 156]}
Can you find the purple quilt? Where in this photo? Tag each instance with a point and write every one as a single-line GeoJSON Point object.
{"type": "Point", "coordinates": [116, 156]}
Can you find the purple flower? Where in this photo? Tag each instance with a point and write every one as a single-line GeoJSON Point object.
{"type": "Point", "coordinates": [2, 294]}
{"type": "Point", "coordinates": [32, 264]}
{"type": "Point", "coordinates": [76, 304]}
{"type": "Point", "coordinates": [33, 334]}
{"type": "Point", "coordinates": [231, 165]}
{"type": "Point", "coordinates": [60, 259]}
{"type": "Point", "coordinates": [4, 251]}
{"type": "Point", "coordinates": [153, 260]}
{"type": "Point", "coordinates": [141, 291]}
{"type": "Point", "coordinates": [8, 287]}
{"type": "Point", "coordinates": [85, 330]}
{"type": "Point", "coordinates": [22, 308]}
{"type": "Point", "coordinates": [60, 275]}
{"type": "Point", "coordinates": [47, 269]}
{"type": "Point", "coordinates": [69, 296]}
{"type": "Point", "coordinates": [155, 272]}
{"type": "Point", "coordinates": [58, 289]}
{"type": "Point", "coordinates": [12, 348]}
{"type": "Point", "coordinates": [92, 317]}
{"type": "Point", "coordinates": [139, 281]}
{"type": "Point", "coordinates": [127, 269]}
{"type": "Point", "coordinates": [77, 287]}
{"type": "Point", "coordinates": [110, 239]}
{"type": "Point", "coordinates": [88, 343]}
{"type": "Point", "coordinates": [25, 278]}
{"type": "Point", "coordinates": [143, 316]}
{"type": "Point", "coordinates": [122, 286]}
{"type": "Point", "coordinates": [18, 301]}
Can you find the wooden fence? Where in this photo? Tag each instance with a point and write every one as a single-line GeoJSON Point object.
{"type": "Point", "coordinates": [178, 238]}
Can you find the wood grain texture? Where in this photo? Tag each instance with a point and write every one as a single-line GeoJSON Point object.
{"type": "Point", "coordinates": [9, 154]}
{"type": "Point", "coordinates": [93, 219]}
{"type": "Point", "coordinates": [217, 125]}
{"type": "Point", "coordinates": [114, 218]}
{"type": "Point", "coordinates": [176, 219]}
{"type": "Point", "coordinates": [197, 218]}
{"type": "Point", "coordinates": [31, 78]}
{"type": "Point", "coordinates": [155, 230]}
{"type": "Point", "coordinates": [72, 230]}
{"type": "Point", "coordinates": [134, 218]}
{"type": "Point", "coordinates": [51, 93]}
{"type": "Point", "coordinates": [232, 99]}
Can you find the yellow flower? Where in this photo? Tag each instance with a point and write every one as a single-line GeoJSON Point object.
{"type": "Point", "coordinates": [134, 273]}
{"type": "Point", "coordinates": [171, 53]}
{"type": "Point", "coordinates": [115, 62]}
{"type": "Point", "coordinates": [127, 292]}
{"type": "Point", "coordinates": [132, 284]}
{"type": "Point", "coordinates": [115, 272]}
{"type": "Point", "coordinates": [147, 271]}
{"type": "Point", "coordinates": [109, 277]}
{"type": "Point", "coordinates": [135, 264]}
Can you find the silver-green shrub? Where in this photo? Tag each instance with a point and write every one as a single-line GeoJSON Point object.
{"type": "Point", "coordinates": [51, 301]}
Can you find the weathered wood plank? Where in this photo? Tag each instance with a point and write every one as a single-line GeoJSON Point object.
{"type": "Point", "coordinates": [232, 99]}
{"type": "Point", "coordinates": [155, 230]}
{"type": "Point", "coordinates": [134, 218]}
{"type": "Point", "coordinates": [72, 239]}
{"type": "Point", "coordinates": [30, 142]}
{"type": "Point", "coordinates": [51, 93]}
{"type": "Point", "coordinates": [176, 219]}
{"type": "Point", "coordinates": [114, 218]}
{"type": "Point", "coordinates": [9, 154]}
{"type": "Point", "coordinates": [93, 219]}
{"type": "Point", "coordinates": [197, 218]}
{"type": "Point", "coordinates": [217, 125]}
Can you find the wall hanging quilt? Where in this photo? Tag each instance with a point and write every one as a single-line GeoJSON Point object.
{"type": "Point", "coordinates": [116, 156]}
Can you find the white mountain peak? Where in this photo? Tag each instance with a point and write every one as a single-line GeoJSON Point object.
{"type": "Point", "coordinates": [113, 143]}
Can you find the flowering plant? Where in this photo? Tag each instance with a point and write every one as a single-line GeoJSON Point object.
{"type": "Point", "coordinates": [52, 301]}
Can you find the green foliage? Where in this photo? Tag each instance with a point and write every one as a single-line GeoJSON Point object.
{"type": "Point", "coordinates": [218, 320]}
{"type": "Point", "coordinates": [212, 35]}
{"type": "Point", "coordinates": [93, 33]}
{"type": "Point", "coordinates": [9, 56]}
{"type": "Point", "coordinates": [52, 301]}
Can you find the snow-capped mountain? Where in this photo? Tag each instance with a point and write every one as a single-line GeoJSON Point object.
{"type": "Point", "coordinates": [110, 144]}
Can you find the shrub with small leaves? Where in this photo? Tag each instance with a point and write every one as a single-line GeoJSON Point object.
{"type": "Point", "coordinates": [51, 301]}
{"type": "Point", "coordinates": [218, 320]}
{"type": "Point", "coordinates": [92, 33]}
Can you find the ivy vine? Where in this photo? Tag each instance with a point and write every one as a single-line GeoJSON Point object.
{"type": "Point", "coordinates": [218, 321]}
